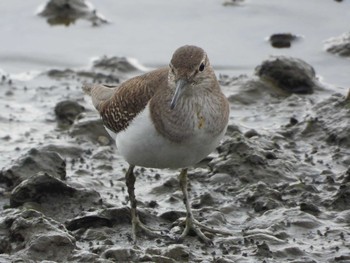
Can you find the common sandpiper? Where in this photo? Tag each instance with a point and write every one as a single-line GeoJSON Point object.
{"type": "Point", "coordinates": [172, 117]}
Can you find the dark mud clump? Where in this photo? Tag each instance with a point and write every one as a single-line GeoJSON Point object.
{"type": "Point", "coordinates": [92, 130]}
{"type": "Point", "coordinates": [121, 64]}
{"type": "Point", "coordinates": [54, 198]}
{"type": "Point", "coordinates": [339, 45]}
{"type": "Point", "coordinates": [28, 234]}
{"type": "Point", "coordinates": [288, 74]}
{"type": "Point", "coordinates": [67, 12]}
{"type": "Point", "coordinates": [94, 76]}
{"type": "Point", "coordinates": [104, 70]}
{"type": "Point", "coordinates": [30, 164]}
{"type": "Point", "coordinates": [67, 111]}
{"type": "Point", "coordinates": [282, 40]}
{"type": "Point", "coordinates": [233, 2]}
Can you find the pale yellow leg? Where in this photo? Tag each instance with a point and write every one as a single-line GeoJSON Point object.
{"type": "Point", "coordinates": [191, 222]}
{"type": "Point", "coordinates": [135, 220]}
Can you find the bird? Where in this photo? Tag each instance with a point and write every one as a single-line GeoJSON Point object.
{"type": "Point", "coordinates": [172, 117]}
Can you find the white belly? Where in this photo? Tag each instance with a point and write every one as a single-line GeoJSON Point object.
{"type": "Point", "coordinates": [140, 144]}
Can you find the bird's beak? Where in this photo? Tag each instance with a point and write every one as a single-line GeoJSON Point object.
{"type": "Point", "coordinates": [180, 87]}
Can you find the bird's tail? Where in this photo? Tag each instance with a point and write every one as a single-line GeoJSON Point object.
{"type": "Point", "coordinates": [99, 93]}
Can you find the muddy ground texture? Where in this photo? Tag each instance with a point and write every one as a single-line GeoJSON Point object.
{"type": "Point", "coordinates": [279, 182]}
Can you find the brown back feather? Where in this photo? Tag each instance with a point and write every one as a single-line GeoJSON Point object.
{"type": "Point", "coordinates": [130, 98]}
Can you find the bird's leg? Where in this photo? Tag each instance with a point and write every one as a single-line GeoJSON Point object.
{"type": "Point", "coordinates": [191, 222]}
{"type": "Point", "coordinates": [135, 220]}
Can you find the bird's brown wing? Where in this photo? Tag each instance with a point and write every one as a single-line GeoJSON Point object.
{"type": "Point", "coordinates": [119, 105]}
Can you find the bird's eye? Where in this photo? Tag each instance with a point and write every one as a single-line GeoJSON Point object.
{"type": "Point", "coordinates": [201, 67]}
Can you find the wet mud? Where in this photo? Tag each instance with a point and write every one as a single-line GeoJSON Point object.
{"type": "Point", "coordinates": [279, 182]}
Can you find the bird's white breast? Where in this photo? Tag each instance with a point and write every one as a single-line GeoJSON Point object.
{"type": "Point", "coordinates": [140, 144]}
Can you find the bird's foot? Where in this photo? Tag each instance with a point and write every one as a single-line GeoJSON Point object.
{"type": "Point", "coordinates": [137, 225]}
{"type": "Point", "coordinates": [196, 226]}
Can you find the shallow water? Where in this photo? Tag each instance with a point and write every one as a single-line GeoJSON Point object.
{"type": "Point", "coordinates": [233, 36]}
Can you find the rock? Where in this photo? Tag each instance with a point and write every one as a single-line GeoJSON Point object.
{"type": "Point", "coordinates": [288, 74]}
{"type": "Point", "coordinates": [339, 45]}
{"type": "Point", "coordinates": [35, 237]}
{"type": "Point", "coordinates": [31, 163]}
{"type": "Point", "coordinates": [282, 40]}
{"type": "Point", "coordinates": [66, 112]}
{"type": "Point", "coordinates": [67, 12]}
